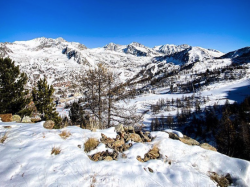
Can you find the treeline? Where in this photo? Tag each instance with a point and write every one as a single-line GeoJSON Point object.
{"type": "Point", "coordinates": [229, 125]}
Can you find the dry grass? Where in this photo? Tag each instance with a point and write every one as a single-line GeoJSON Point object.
{"type": "Point", "coordinates": [65, 134]}
{"type": "Point", "coordinates": [56, 150]}
{"type": "Point", "coordinates": [2, 139]}
{"type": "Point", "coordinates": [91, 144]}
{"type": "Point", "coordinates": [7, 127]}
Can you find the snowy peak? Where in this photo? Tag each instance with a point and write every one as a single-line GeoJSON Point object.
{"type": "Point", "coordinates": [42, 43]}
{"type": "Point", "coordinates": [170, 49]}
{"type": "Point", "coordinates": [114, 47]}
{"type": "Point", "coordinates": [138, 49]}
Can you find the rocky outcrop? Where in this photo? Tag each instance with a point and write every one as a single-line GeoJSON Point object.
{"type": "Point", "coordinates": [189, 141]}
{"type": "Point", "coordinates": [72, 53]}
{"type": "Point", "coordinates": [49, 124]}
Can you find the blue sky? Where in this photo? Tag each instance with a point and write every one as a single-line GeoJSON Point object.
{"type": "Point", "coordinates": [222, 25]}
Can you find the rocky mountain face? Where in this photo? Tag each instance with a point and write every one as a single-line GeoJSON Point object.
{"type": "Point", "coordinates": [61, 61]}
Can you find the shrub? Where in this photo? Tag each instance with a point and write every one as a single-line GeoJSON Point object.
{"type": "Point", "coordinates": [91, 144]}
{"type": "Point", "coordinates": [2, 139]}
{"type": "Point", "coordinates": [56, 150]}
{"type": "Point", "coordinates": [65, 134]}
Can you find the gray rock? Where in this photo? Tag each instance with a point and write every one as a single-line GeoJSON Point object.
{"type": "Point", "coordinates": [26, 119]}
{"type": "Point", "coordinates": [49, 124]}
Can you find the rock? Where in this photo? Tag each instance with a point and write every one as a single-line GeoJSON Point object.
{"type": "Point", "coordinates": [208, 147]}
{"type": "Point", "coordinates": [126, 128]}
{"type": "Point", "coordinates": [16, 118]}
{"type": "Point", "coordinates": [117, 137]}
{"type": "Point", "coordinates": [35, 119]}
{"type": "Point", "coordinates": [151, 154]}
{"type": "Point", "coordinates": [222, 181]}
{"type": "Point", "coordinates": [154, 153]}
{"type": "Point", "coordinates": [189, 141]}
{"type": "Point", "coordinates": [6, 117]}
{"type": "Point", "coordinates": [108, 158]}
{"type": "Point", "coordinates": [95, 157]}
{"type": "Point", "coordinates": [173, 136]}
{"type": "Point", "coordinates": [150, 170]}
{"type": "Point", "coordinates": [139, 159]}
{"type": "Point", "coordinates": [119, 128]}
{"type": "Point", "coordinates": [26, 119]}
{"type": "Point", "coordinates": [144, 137]}
{"type": "Point", "coordinates": [118, 143]}
{"type": "Point", "coordinates": [79, 146]}
{"type": "Point", "coordinates": [131, 129]}
{"type": "Point", "coordinates": [49, 124]}
{"type": "Point", "coordinates": [106, 140]}
{"type": "Point", "coordinates": [134, 137]}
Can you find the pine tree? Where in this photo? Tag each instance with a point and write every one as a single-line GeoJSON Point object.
{"type": "Point", "coordinates": [13, 95]}
{"type": "Point", "coordinates": [77, 115]}
{"type": "Point", "coordinates": [42, 97]}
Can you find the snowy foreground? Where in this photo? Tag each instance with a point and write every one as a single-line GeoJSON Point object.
{"type": "Point", "coordinates": [26, 160]}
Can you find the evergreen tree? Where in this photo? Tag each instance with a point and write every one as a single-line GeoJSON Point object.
{"type": "Point", "coordinates": [42, 97]}
{"type": "Point", "coordinates": [77, 115]}
{"type": "Point", "coordinates": [13, 95]}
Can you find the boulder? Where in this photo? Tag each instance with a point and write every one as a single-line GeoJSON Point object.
{"type": "Point", "coordinates": [134, 137]}
{"type": "Point", "coordinates": [16, 118]}
{"type": "Point", "coordinates": [6, 117]}
{"type": "Point", "coordinates": [26, 119]}
{"type": "Point", "coordinates": [208, 147]}
{"type": "Point", "coordinates": [153, 153]}
{"type": "Point", "coordinates": [49, 124]}
{"type": "Point", "coordinates": [189, 141]}
{"type": "Point", "coordinates": [173, 136]}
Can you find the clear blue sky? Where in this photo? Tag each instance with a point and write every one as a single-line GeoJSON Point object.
{"type": "Point", "coordinates": [222, 25]}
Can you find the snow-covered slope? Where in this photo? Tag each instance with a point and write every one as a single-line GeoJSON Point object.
{"type": "Point", "coordinates": [26, 160]}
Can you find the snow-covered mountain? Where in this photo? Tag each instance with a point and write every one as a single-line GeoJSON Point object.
{"type": "Point", "coordinates": [61, 61]}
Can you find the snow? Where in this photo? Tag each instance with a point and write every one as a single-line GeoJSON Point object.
{"type": "Point", "coordinates": [26, 160]}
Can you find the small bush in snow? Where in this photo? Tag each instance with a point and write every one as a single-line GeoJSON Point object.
{"type": "Point", "coordinates": [2, 139]}
{"type": "Point", "coordinates": [56, 150]}
{"type": "Point", "coordinates": [65, 134]}
{"type": "Point", "coordinates": [91, 144]}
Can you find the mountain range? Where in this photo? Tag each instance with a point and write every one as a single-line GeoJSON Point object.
{"type": "Point", "coordinates": [62, 61]}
